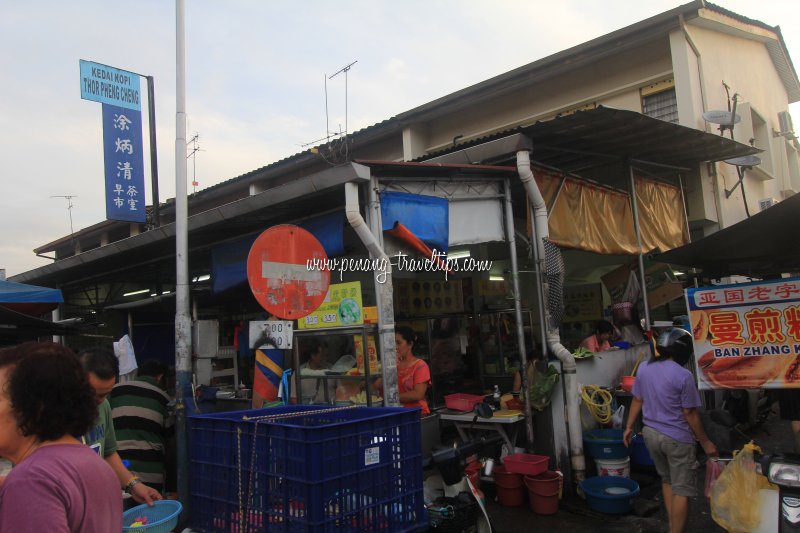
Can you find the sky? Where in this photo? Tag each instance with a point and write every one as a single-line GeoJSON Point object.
{"type": "Point", "coordinates": [255, 82]}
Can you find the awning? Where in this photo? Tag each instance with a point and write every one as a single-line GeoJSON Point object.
{"type": "Point", "coordinates": [29, 299]}
{"type": "Point", "coordinates": [763, 245]}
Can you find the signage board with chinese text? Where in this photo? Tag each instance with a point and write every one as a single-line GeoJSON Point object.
{"type": "Point", "coordinates": [747, 335]}
{"type": "Point", "coordinates": [341, 307]}
{"type": "Point", "coordinates": [124, 164]}
{"type": "Point", "coordinates": [108, 85]}
{"type": "Point", "coordinates": [583, 303]}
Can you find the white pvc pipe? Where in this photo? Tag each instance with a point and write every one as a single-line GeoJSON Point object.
{"type": "Point", "coordinates": [568, 366]}
{"type": "Point", "coordinates": [384, 298]}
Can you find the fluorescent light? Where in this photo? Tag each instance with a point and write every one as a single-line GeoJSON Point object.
{"type": "Point", "coordinates": [204, 277]}
{"type": "Point", "coordinates": [461, 254]}
{"type": "Point", "coordinates": [496, 278]}
{"type": "Point", "coordinates": [165, 292]}
{"type": "Point", "coordinates": [153, 294]}
{"type": "Point", "coordinates": [133, 293]}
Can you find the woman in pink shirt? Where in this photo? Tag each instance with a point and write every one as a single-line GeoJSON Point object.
{"type": "Point", "coordinates": [598, 341]}
{"type": "Point", "coordinates": [58, 484]}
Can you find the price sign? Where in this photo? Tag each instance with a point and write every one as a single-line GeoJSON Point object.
{"type": "Point", "coordinates": [280, 331]}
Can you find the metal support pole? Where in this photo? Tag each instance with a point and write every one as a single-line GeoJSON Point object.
{"type": "Point", "coordinates": [384, 299]}
{"type": "Point", "coordinates": [183, 326]}
{"type": "Point", "coordinates": [512, 249]}
{"type": "Point", "coordinates": [634, 203]}
{"type": "Point", "coordinates": [151, 96]}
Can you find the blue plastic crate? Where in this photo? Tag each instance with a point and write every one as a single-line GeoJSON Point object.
{"type": "Point", "coordinates": [351, 470]}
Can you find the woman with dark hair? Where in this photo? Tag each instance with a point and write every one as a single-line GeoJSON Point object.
{"type": "Point", "coordinates": [413, 374]}
{"type": "Point", "coordinates": [599, 340]}
{"type": "Point", "coordinates": [58, 484]}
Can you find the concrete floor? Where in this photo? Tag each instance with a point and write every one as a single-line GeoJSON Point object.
{"type": "Point", "coordinates": [648, 516]}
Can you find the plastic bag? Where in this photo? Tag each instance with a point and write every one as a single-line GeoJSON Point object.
{"type": "Point", "coordinates": [542, 387]}
{"type": "Point", "coordinates": [618, 418]}
{"type": "Point", "coordinates": [733, 505]}
{"type": "Point", "coordinates": [713, 471]}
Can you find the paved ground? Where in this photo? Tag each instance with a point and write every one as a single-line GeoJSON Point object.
{"type": "Point", "coordinates": [574, 515]}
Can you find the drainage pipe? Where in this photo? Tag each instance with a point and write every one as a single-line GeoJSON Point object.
{"type": "Point", "coordinates": [383, 290]}
{"type": "Point", "coordinates": [568, 366]}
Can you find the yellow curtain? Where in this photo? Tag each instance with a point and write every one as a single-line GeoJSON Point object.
{"type": "Point", "coordinates": [587, 217]}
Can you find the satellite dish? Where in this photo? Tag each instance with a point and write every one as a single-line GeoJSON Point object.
{"type": "Point", "coordinates": [721, 117]}
{"type": "Point", "coordinates": [745, 161]}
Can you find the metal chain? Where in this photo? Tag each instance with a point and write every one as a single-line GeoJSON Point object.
{"type": "Point", "coordinates": [239, 459]}
{"type": "Point", "coordinates": [269, 418]}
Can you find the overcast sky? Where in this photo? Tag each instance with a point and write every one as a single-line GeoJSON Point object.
{"type": "Point", "coordinates": [254, 89]}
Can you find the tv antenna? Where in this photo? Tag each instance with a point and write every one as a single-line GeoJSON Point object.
{"type": "Point", "coordinates": [336, 149]}
{"type": "Point", "coordinates": [69, 208]}
{"type": "Point", "coordinates": [726, 120]}
{"type": "Point", "coordinates": [195, 142]}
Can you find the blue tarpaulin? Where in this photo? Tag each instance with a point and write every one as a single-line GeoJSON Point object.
{"type": "Point", "coordinates": [427, 217]}
{"type": "Point", "coordinates": [229, 260]}
{"type": "Point", "coordinates": [29, 299]}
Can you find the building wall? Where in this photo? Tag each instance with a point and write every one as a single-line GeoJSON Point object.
{"type": "Point", "coordinates": [746, 67]}
{"type": "Point", "coordinates": [614, 81]}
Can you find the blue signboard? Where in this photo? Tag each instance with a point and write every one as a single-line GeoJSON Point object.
{"type": "Point", "coordinates": [124, 164]}
{"type": "Point", "coordinates": [109, 85]}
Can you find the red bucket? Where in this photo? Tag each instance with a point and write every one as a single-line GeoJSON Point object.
{"type": "Point", "coordinates": [543, 491]}
{"type": "Point", "coordinates": [508, 487]}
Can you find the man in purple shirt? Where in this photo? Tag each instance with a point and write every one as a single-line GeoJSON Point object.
{"type": "Point", "coordinates": [666, 395]}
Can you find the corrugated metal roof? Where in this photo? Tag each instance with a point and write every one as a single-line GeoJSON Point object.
{"type": "Point", "coordinates": [598, 144]}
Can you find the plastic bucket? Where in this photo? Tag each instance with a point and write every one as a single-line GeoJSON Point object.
{"type": "Point", "coordinates": [614, 467]}
{"type": "Point", "coordinates": [543, 490]}
{"type": "Point", "coordinates": [508, 487]}
{"type": "Point", "coordinates": [473, 471]}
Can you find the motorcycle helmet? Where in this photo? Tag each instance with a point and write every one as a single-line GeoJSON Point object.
{"type": "Point", "coordinates": [677, 344]}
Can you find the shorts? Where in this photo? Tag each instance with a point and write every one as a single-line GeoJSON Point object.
{"type": "Point", "coordinates": [676, 462]}
{"type": "Point", "coordinates": [789, 403]}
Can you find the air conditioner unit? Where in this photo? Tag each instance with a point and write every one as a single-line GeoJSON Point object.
{"type": "Point", "coordinates": [766, 203]}
{"type": "Point", "coordinates": [785, 122]}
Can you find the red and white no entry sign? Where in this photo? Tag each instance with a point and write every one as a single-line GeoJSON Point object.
{"type": "Point", "coordinates": [284, 272]}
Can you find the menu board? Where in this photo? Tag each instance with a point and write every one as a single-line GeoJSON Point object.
{"type": "Point", "coordinates": [342, 307]}
{"type": "Point", "coordinates": [747, 335]}
{"type": "Point", "coordinates": [583, 303]}
{"type": "Point", "coordinates": [421, 297]}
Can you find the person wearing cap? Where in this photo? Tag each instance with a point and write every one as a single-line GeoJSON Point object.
{"type": "Point", "coordinates": [666, 395]}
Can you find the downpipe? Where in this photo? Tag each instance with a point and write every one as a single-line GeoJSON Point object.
{"type": "Point", "coordinates": [568, 365]}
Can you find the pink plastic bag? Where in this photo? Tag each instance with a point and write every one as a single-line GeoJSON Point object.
{"type": "Point", "coordinates": [713, 470]}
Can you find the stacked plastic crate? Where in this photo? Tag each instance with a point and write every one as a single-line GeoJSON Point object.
{"type": "Point", "coordinates": [306, 469]}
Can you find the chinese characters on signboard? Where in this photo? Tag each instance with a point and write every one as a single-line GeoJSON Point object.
{"type": "Point", "coordinates": [124, 164]}
{"type": "Point", "coordinates": [747, 335]}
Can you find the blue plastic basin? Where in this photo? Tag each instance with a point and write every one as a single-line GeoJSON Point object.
{"type": "Point", "coordinates": [605, 444]}
{"type": "Point", "coordinates": [610, 494]}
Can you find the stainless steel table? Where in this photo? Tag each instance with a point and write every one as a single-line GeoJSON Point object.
{"type": "Point", "coordinates": [496, 424]}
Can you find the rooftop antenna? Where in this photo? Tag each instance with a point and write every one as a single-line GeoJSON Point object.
{"type": "Point", "coordinates": [194, 141]}
{"type": "Point", "coordinates": [726, 120]}
{"type": "Point", "coordinates": [334, 152]}
{"type": "Point", "coordinates": [69, 209]}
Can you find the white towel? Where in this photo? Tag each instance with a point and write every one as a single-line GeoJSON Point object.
{"type": "Point", "coordinates": [123, 349]}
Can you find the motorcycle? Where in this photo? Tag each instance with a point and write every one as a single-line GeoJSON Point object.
{"type": "Point", "coordinates": [783, 470]}
{"type": "Point", "coordinates": [454, 512]}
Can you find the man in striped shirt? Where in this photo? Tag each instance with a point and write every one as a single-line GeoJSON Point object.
{"type": "Point", "coordinates": [143, 422]}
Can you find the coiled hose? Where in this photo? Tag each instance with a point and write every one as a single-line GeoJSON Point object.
{"type": "Point", "coordinates": [598, 401]}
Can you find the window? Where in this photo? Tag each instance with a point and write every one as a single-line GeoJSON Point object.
{"type": "Point", "coordinates": [659, 101]}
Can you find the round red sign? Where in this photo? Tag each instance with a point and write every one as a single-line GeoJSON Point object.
{"type": "Point", "coordinates": [285, 271]}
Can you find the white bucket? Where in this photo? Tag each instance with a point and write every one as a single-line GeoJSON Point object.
{"type": "Point", "coordinates": [614, 467]}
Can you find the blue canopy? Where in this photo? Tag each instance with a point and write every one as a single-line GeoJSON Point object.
{"type": "Point", "coordinates": [29, 299]}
